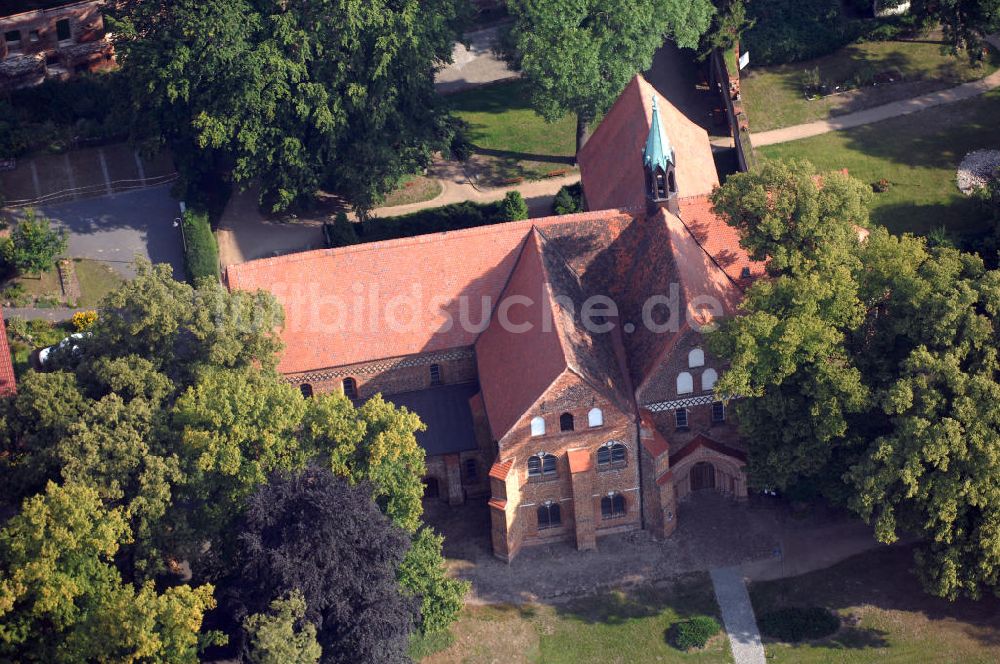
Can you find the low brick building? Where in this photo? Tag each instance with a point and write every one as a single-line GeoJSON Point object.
{"type": "Point", "coordinates": [557, 362]}
{"type": "Point", "coordinates": [41, 39]}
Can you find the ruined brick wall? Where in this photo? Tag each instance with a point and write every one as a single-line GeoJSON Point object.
{"type": "Point", "coordinates": [85, 49]}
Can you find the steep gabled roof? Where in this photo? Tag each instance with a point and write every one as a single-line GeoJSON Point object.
{"type": "Point", "coordinates": [611, 163]}
{"type": "Point", "coordinates": [543, 337]}
{"type": "Point", "coordinates": [719, 240]}
{"type": "Point", "coordinates": [8, 384]}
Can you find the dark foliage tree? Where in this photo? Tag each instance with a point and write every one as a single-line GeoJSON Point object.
{"type": "Point", "coordinates": [299, 95]}
{"type": "Point", "coordinates": [33, 245]}
{"type": "Point", "coordinates": [315, 533]}
{"type": "Point", "coordinates": [965, 22]}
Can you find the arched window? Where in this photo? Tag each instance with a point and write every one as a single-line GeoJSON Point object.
{"type": "Point", "coordinates": [350, 388]}
{"type": "Point", "coordinates": [672, 183]}
{"type": "Point", "coordinates": [661, 185]}
{"type": "Point", "coordinates": [541, 464]}
{"type": "Point", "coordinates": [436, 374]}
{"type": "Point", "coordinates": [549, 516]}
{"type": "Point", "coordinates": [595, 418]}
{"type": "Point", "coordinates": [306, 389]}
{"type": "Point", "coordinates": [685, 383]}
{"type": "Point", "coordinates": [696, 358]}
{"type": "Point", "coordinates": [611, 455]}
{"type": "Point", "coordinates": [613, 506]}
{"type": "Point", "coordinates": [538, 426]}
{"type": "Point", "coordinates": [566, 422]}
{"type": "Point", "coordinates": [708, 380]}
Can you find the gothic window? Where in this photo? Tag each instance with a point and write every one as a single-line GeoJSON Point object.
{"type": "Point", "coordinates": [549, 516]}
{"type": "Point", "coordinates": [696, 358]}
{"type": "Point", "coordinates": [435, 374]}
{"type": "Point", "coordinates": [685, 383]}
{"type": "Point", "coordinates": [681, 416]}
{"type": "Point", "coordinates": [306, 389]}
{"type": "Point", "coordinates": [611, 455]}
{"type": "Point", "coordinates": [566, 422]}
{"type": "Point", "coordinates": [538, 426]}
{"type": "Point", "coordinates": [718, 412]}
{"type": "Point", "coordinates": [542, 464]}
{"type": "Point", "coordinates": [595, 417]}
{"type": "Point", "coordinates": [350, 388]}
{"type": "Point", "coordinates": [661, 184]}
{"type": "Point", "coordinates": [613, 506]}
{"type": "Point", "coordinates": [708, 380]}
{"type": "Point", "coordinates": [672, 183]}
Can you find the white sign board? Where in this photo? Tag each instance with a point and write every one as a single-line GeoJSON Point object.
{"type": "Point", "coordinates": [744, 60]}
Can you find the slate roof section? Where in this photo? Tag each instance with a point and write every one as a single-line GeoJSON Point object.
{"type": "Point", "coordinates": [542, 338]}
{"type": "Point", "coordinates": [443, 268]}
{"type": "Point", "coordinates": [8, 383]}
{"type": "Point", "coordinates": [611, 161]}
{"type": "Point", "coordinates": [445, 410]}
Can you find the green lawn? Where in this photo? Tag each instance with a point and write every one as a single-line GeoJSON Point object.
{"type": "Point", "coordinates": [919, 155]}
{"type": "Point", "coordinates": [774, 96]}
{"type": "Point", "coordinates": [511, 140]}
{"type": "Point", "coordinates": [96, 280]}
{"type": "Point", "coordinates": [601, 629]}
{"type": "Point", "coordinates": [413, 189]}
{"type": "Point", "coordinates": [895, 621]}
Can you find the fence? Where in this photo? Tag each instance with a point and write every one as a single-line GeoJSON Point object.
{"type": "Point", "coordinates": [101, 189]}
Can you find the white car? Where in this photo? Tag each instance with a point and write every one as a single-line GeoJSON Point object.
{"type": "Point", "coordinates": [43, 354]}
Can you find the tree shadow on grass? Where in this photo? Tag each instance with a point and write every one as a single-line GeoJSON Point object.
{"type": "Point", "coordinates": [529, 156]}
{"type": "Point", "coordinates": [687, 596]}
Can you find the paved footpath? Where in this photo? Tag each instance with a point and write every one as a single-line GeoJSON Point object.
{"type": "Point", "coordinates": [884, 112]}
{"type": "Point", "coordinates": [55, 314]}
{"type": "Point", "coordinates": [737, 614]}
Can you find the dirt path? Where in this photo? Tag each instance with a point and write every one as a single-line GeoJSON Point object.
{"type": "Point", "coordinates": [884, 112]}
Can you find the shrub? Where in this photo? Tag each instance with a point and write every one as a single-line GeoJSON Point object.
{"type": "Point", "coordinates": [881, 186]}
{"type": "Point", "coordinates": [694, 632]}
{"type": "Point", "coordinates": [568, 200]}
{"type": "Point", "coordinates": [84, 320]}
{"type": "Point", "coordinates": [513, 207]}
{"type": "Point", "coordinates": [798, 624]}
{"type": "Point", "coordinates": [792, 30]}
{"type": "Point", "coordinates": [201, 252]}
{"type": "Point", "coordinates": [434, 220]}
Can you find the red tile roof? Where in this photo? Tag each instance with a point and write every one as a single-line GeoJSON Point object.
{"type": "Point", "coordinates": [452, 274]}
{"type": "Point", "coordinates": [611, 161]}
{"type": "Point", "coordinates": [8, 384]}
{"type": "Point", "coordinates": [702, 440]}
{"type": "Point", "coordinates": [652, 440]}
{"type": "Point", "coordinates": [580, 461]}
{"type": "Point", "coordinates": [719, 240]}
{"type": "Point", "coordinates": [500, 469]}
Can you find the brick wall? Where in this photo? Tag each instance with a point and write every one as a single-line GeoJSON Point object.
{"type": "Point", "coordinates": [86, 48]}
{"type": "Point", "coordinates": [573, 493]}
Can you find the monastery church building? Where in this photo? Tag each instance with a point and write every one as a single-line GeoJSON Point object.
{"type": "Point", "coordinates": [570, 429]}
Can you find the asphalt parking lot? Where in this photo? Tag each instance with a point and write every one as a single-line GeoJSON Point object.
{"type": "Point", "coordinates": [117, 228]}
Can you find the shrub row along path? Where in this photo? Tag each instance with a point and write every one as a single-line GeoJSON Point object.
{"type": "Point", "coordinates": [737, 615]}
{"type": "Point", "coordinates": [879, 113]}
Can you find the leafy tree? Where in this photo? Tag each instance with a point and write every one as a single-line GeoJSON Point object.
{"type": "Point", "coordinates": [33, 244]}
{"type": "Point", "coordinates": [281, 636]}
{"type": "Point", "coordinates": [301, 95]}
{"type": "Point", "coordinates": [578, 56]}
{"type": "Point", "coordinates": [62, 600]}
{"type": "Point", "coordinates": [422, 574]}
{"type": "Point", "coordinates": [313, 532]}
{"type": "Point", "coordinates": [965, 22]}
{"type": "Point", "coordinates": [728, 25]}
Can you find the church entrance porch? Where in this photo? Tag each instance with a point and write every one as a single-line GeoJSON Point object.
{"type": "Point", "coordinates": [702, 476]}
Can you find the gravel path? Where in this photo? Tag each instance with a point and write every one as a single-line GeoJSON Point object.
{"type": "Point", "coordinates": [737, 614]}
{"type": "Point", "coordinates": [884, 112]}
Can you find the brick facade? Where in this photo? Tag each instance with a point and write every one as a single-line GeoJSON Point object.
{"type": "Point", "coordinates": [53, 41]}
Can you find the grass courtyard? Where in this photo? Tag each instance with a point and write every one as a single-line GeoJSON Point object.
{"type": "Point", "coordinates": [895, 621]}
{"type": "Point", "coordinates": [609, 628]}
{"type": "Point", "coordinates": [919, 155]}
{"type": "Point", "coordinates": [510, 140]}
{"type": "Point", "coordinates": [774, 96]}
{"type": "Point", "coordinates": [95, 280]}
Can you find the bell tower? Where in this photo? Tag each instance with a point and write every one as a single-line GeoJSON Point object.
{"type": "Point", "coordinates": [660, 166]}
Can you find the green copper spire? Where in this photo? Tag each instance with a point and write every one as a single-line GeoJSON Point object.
{"type": "Point", "coordinates": [657, 152]}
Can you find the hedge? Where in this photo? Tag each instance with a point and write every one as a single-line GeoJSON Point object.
{"type": "Point", "coordinates": [201, 252]}
{"type": "Point", "coordinates": [452, 217]}
{"type": "Point", "coordinates": [798, 624]}
{"type": "Point", "coordinates": [694, 632]}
